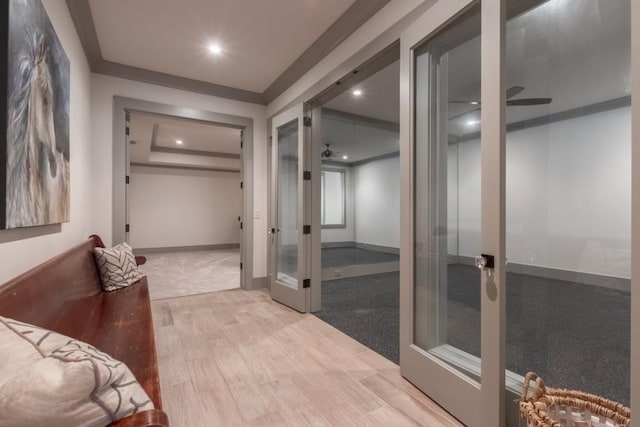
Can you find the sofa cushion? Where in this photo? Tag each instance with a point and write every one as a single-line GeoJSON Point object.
{"type": "Point", "coordinates": [48, 379]}
{"type": "Point", "coordinates": [117, 266]}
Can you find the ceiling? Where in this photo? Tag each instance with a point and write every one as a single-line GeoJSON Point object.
{"type": "Point", "coordinates": [266, 46]}
{"type": "Point", "coordinates": [204, 145]}
{"type": "Point", "coordinates": [576, 52]}
{"type": "Point", "coordinates": [380, 97]}
{"type": "Point", "coordinates": [357, 140]}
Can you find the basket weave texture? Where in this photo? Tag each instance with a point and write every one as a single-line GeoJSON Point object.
{"type": "Point", "coordinates": [554, 407]}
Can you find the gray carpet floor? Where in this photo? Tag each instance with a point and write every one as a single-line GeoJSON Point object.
{"type": "Point", "coordinates": [573, 335]}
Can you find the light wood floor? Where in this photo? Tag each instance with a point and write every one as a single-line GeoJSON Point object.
{"type": "Point", "coordinates": [178, 274]}
{"type": "Point", "coordinates": [236, 358]}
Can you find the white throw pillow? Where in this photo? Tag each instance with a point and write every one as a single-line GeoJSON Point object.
{"type": "Point", "coordinates": [48, 379]}
{"type": "Point", "coordinates": [117, 266]}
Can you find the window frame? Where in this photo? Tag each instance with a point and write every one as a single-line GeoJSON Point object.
{"type": "Point", "coordinates": [343, 173]}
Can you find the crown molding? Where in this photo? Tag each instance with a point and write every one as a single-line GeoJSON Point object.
{"type": "Point", "coordinates": [346, 24]}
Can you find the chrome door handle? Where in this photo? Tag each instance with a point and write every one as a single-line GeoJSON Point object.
{"type": "Point", "coordinates": [485, 262]}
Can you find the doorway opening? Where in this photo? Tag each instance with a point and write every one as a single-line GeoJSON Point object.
{"type": "Point", "coordinates": [359, 209]}
{"type": "Point", "coordinates": [180, 170]}
{"type": "Point", "coordinates": [217, 148]}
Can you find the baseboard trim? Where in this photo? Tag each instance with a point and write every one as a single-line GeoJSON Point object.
{"type": "Point", "coordinates": [609, 282]}
{"type": "Point", "coordinates": [331, 245]}
{"type": "Point", "coordinates": [259, 283]}
{"type": "Point", "coordinates": [367, 246]}
{"type": "Point", "coordinates": [378, 248]}
{"type": "Point", "coordinates": [142, 251]}
{"type": "Point", "coordinates": [357, 270]}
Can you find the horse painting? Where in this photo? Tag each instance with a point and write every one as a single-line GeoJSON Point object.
{"type": "Point", "coordinates": [37, 187]}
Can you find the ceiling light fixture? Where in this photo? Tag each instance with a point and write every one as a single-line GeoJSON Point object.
{"type": "Point", "coordinates": [179, 141]}
{"type": "Point", "coordinates": [215, 49]}
{"type": "Point", "coordinates": [472, 122]}
{"type": "Point", "coordinates": [345, 157]}
{"type": "Point", "coordinates": [357, 92]}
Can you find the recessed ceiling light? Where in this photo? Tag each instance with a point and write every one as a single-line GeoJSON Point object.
{"type": "Point", "coordinates": [345, 157]}
{"type": "Point", "coordinates": [472, 122]}
{"type": "Point", "coordinates": [474, 103]}
{"type": "Point", "coordinates": [357, 92]}
{"type": "Point", "coordinates": [215, 49]}
{"type": "Point", "coordinates": [179, 141]}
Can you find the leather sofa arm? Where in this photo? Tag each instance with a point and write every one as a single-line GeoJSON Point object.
{"type": "Point", "coordinates": [151, 418]}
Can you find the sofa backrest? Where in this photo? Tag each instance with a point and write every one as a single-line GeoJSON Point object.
{"type": "Point", "coordinates": [42, 295]}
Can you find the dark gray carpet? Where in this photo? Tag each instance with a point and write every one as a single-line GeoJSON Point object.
{"type": "Point", "coordinates": [341, 257]}
{"type": "Point", "coordinates": [573, 335]}
{"type": "Point", "coordinates": [365, 308]}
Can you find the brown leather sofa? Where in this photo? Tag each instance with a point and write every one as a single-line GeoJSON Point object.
{"type": "Point", "coordinates": [64, 294]}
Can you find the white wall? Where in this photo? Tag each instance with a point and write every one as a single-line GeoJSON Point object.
{"type": "Point", "coordinates": [377, 202]}
{"type": "Point", "coordinates": [104, 88]}
{"type": "Point", "coordinates": [21, 249]}
{"type": "Point", "coordinates": [568, 195]}
{"type": "Point", "coordinates": [183, 207]}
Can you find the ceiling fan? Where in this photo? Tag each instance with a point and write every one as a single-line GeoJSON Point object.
{"type": "Point", "coordinates": [511, 92]}
{"type": "Point", "coordinates": [328, 153]}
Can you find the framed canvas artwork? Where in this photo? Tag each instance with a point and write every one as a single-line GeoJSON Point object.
{"type": "Point", "coordinates": [34, 118]}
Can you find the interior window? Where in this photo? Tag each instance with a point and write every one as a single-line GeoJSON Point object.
{"type": "Point", "coordinates": [333, 198]}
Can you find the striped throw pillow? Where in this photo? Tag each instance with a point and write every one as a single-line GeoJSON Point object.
{"type": "Point", "coordinates": [117, 266]}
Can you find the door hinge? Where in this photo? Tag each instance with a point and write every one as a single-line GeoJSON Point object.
{"type": "Point", "coordinates": [240, 266]}
{"type": "Point", "coordinates": [241, 185]}
{"type": "Point", "coordinates": [306, 175]}
{"type": "Point", "coordinates": [306, 283]}
{"type": "Point", "coordinates": [126, 179]}
{"type": "Point", "coordinates": [126, 131]}
{"type": "Point", "coordinates": [240, 226]}
{"type": "Point", "coordinates": [241, 144]}
{"type": "Point", "coordinates": [306, 121]}
{"type": "Point", "coordinates": [306, 229]}
{"type": "Point", "coordinates": [126, 228]}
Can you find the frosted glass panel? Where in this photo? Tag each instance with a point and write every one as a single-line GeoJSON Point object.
{"type": "Point", "coordinates": [287, 272]}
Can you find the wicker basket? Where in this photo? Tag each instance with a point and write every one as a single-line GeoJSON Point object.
{"type": "Point", "coordinates": [554, 407]}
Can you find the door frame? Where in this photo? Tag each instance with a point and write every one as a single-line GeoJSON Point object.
{"type": "Point", "coordinates": [474, 403]}
{"type": "Point", "coordinates": [121, 105]}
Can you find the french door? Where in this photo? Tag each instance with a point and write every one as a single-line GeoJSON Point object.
{"type": "Point", "coordinates": [290, 230]}
{"type": "Point", "coordinates": [469, 385]}
{"type": "Point", "coordinates": [518, 137]}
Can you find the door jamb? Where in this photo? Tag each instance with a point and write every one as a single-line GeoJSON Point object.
{"type": "Point", "coordinates": [119, 164]}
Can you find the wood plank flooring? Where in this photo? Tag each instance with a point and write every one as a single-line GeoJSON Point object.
{"type": "Point", "coordinates": [236, 358]}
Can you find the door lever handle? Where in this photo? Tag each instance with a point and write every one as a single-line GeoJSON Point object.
{"type": "Point", "coordinates": [485, 262]}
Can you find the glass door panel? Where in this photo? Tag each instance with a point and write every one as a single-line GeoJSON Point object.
{"type": "Point", "coordinates": [447, 221]}
{"type": "Point", "coordinates": [288, 214]}
{"type": "Point", "coordinates": [568, 196]}
{"type": "Point", "coordinates": [287, 231]}
{"type": "Point", "coordinates": [447, 339]}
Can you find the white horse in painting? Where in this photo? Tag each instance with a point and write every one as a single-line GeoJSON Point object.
{"type": "Point", "coordinates": [37, 173]}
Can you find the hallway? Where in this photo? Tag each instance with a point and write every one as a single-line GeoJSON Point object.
{"type": "Point", "coordinates": [237, 358]}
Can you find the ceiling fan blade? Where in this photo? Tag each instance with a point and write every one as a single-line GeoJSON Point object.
{"type": "Point", "coordinates": [513, 91]}
{"type": "Point", "coordinates": [465, 113]}
{"type": "Point", "coordinates": [529, 101]}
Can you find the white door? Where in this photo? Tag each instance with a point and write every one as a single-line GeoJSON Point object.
{"type": "Point", "coordinates": [442, 56]}
{"type": "Point", "coordinates": [290, 231]}
{"type": "Point", "coordinates": [506, 106]}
